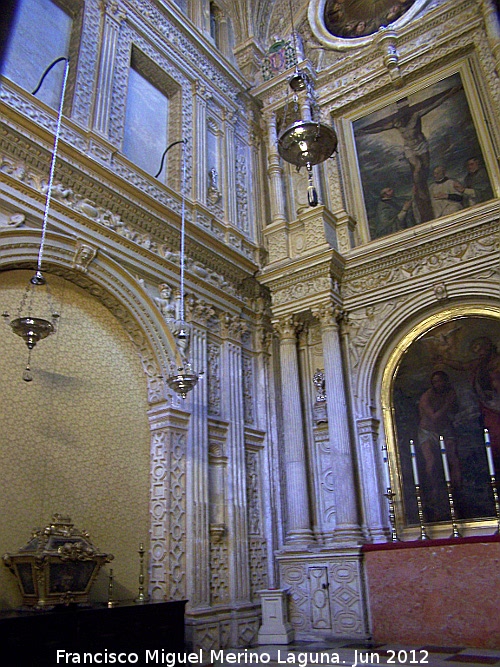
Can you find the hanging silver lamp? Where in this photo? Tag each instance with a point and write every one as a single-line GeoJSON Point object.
{"type": "Point", "coordinates": [182, 380]}
{"type": "Point", "coordinates": [307, 141]}
{"type": "Point", "coordinates": [32, 328]}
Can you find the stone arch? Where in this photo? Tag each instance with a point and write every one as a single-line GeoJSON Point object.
{"type": "Point", "coordinates": [400, 318]}
{"type": "Point", "coordinates": [399, 323]}
{"type": "Point", "coordinates": [122, 294]}
{"type": "Point", "coordinates": [111, 284]}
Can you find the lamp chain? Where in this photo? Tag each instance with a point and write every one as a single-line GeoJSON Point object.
{"type": "Point", "coordinates": [52, 168]}
{"type": "Point", "coordinates": [183, 231]}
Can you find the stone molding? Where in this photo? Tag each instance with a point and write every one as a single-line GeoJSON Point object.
{"type": "Point", "coordinates": [419, 261]}
{"type": "Point", "coordinates": [81, 196]}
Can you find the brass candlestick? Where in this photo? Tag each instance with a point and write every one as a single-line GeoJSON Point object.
{"type": "Point", "coordinates": [496, 500]}
{"type": "Point", "coordinates": [449, 489]}
{"type": "Point", "coordinates": [142, 597]}
{"type": "Point", "coordinates": [111, 602]}
{"type": "Point", "coordinates": [390, 495]}
{"type": "Point", "coordinates": [423, 534]}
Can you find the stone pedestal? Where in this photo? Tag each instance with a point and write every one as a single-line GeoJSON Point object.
{"type": "Point", "coordinates": [275, 628]}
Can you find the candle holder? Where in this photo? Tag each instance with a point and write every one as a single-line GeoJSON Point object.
{"type": "Point", "coordinates": [390, 495]}
{"type": "Point", "coordinates": [111, 603]}
{"type": "Point", "coordinates": [449, 490]}
{"type": "Point", "coordinates": [142, 597]}
{"type": "Point", "coordinates": [496, 500]}
{"type": "Point", "coordinates": [423, 534]}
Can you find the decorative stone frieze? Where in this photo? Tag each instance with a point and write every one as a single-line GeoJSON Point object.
{"type": "Point", "coordinates": [423, 260]}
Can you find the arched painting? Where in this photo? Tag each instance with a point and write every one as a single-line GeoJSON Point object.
{"type": "Point", "coordinates": [357, 18]}
{"type": "Point", "coordinates": [448, 384]}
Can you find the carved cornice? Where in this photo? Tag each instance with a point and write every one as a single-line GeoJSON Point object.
{"type": "Point", "coordinates": [302, 283]}
{"type": "Point", "coordinates": [421, 261]}
{"type": "Point", "coordinates": [129, 219]}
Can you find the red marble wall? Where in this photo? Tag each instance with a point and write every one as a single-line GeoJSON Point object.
{"type": "Point", "coordinates": [439, 592]}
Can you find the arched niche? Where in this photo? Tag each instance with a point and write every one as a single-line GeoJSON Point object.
{"type": "Point", "coordinates": [442, 378]}
{"type": "Point", "coordinates": [78, 439]}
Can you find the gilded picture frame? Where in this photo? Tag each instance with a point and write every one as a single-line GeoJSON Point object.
{"type": "Point", "coordinates": [365, 11]}
{"type": "Point", "coordinates": [419, 155]}
{"type": "Point", "coordinates": [461, 347]}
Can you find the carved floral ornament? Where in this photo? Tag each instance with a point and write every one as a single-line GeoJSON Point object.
{"type": "Point", "coordinates": [347, 24]}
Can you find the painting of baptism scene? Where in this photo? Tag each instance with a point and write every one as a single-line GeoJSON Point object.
{"type": "Point", "coordinates": [420, 159]}
{"type": "Point", "coordinates": [446, 396]}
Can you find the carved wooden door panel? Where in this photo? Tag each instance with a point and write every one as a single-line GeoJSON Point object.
{"type": "Point", "coordinates": [320, 598]}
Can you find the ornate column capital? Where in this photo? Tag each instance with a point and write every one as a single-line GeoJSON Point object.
{"type": "Point", "coordinates": [198, 311]}
{"type": "Point", "coordinates": [329, 315]}
{"type": "Point", "coordinates": [286, 328]}
{"type": "Point", "coordinates": [233, 326]}
{"type": "Point", "coordinates": [201, 91]}
{"type": "Point", "coordinates": [114, 9]}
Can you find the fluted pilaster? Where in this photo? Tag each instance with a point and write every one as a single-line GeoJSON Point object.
{"type": "Point", "coordinates": [197, 528]}
{"type": "Point", "coordinates": [347, 527]}
{"type": "Point", "coordinates": [275, 172]}
{"type": "Point", "coordinates": [230, 190]}
{"type": "Point", "coordinates": [297, 497]}
{"type": "Point", "coordinates": [104, 88]}
{"type": "Point", "coordinates": [232, 371]}
{"type": "Point", "coordinates": [200, 150]}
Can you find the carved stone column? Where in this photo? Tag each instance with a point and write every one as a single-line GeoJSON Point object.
{"type": "Point", "coordinates": [267, 422]}
{"type": "Point", "coordinates": [197, 528]}
{"type": "Point", "coordinates": [233, 412]}
{"type": "Point", "coordinates": [199, 13]}
{"type": "Point", "coordinates": [275, 173]}
{"type": "Point", "coordinates": [223, 36]}
{"type": "Point", "coordinates": [347, 527]}
{"type": "Point", "coordinates": [492, 25]}
{"type": "Point", "coordinates": [104, 88]}
{"type": "Point", "coordinates": [374, 502]}
{"type": "Point", "coordinates": [297, 498]}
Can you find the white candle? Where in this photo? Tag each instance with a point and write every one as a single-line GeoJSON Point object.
{"type": "Point", "coordinates": [414, 463]}
{"type": "Point", "coordinates": [387, 476]}
{"type": "Point", "coordinates": [445, 459]}
{"type": "Point", "coordinates": [489, 454]}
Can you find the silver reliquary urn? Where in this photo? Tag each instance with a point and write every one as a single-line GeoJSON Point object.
{"type": "Point", "coordinates": [57, 566]}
